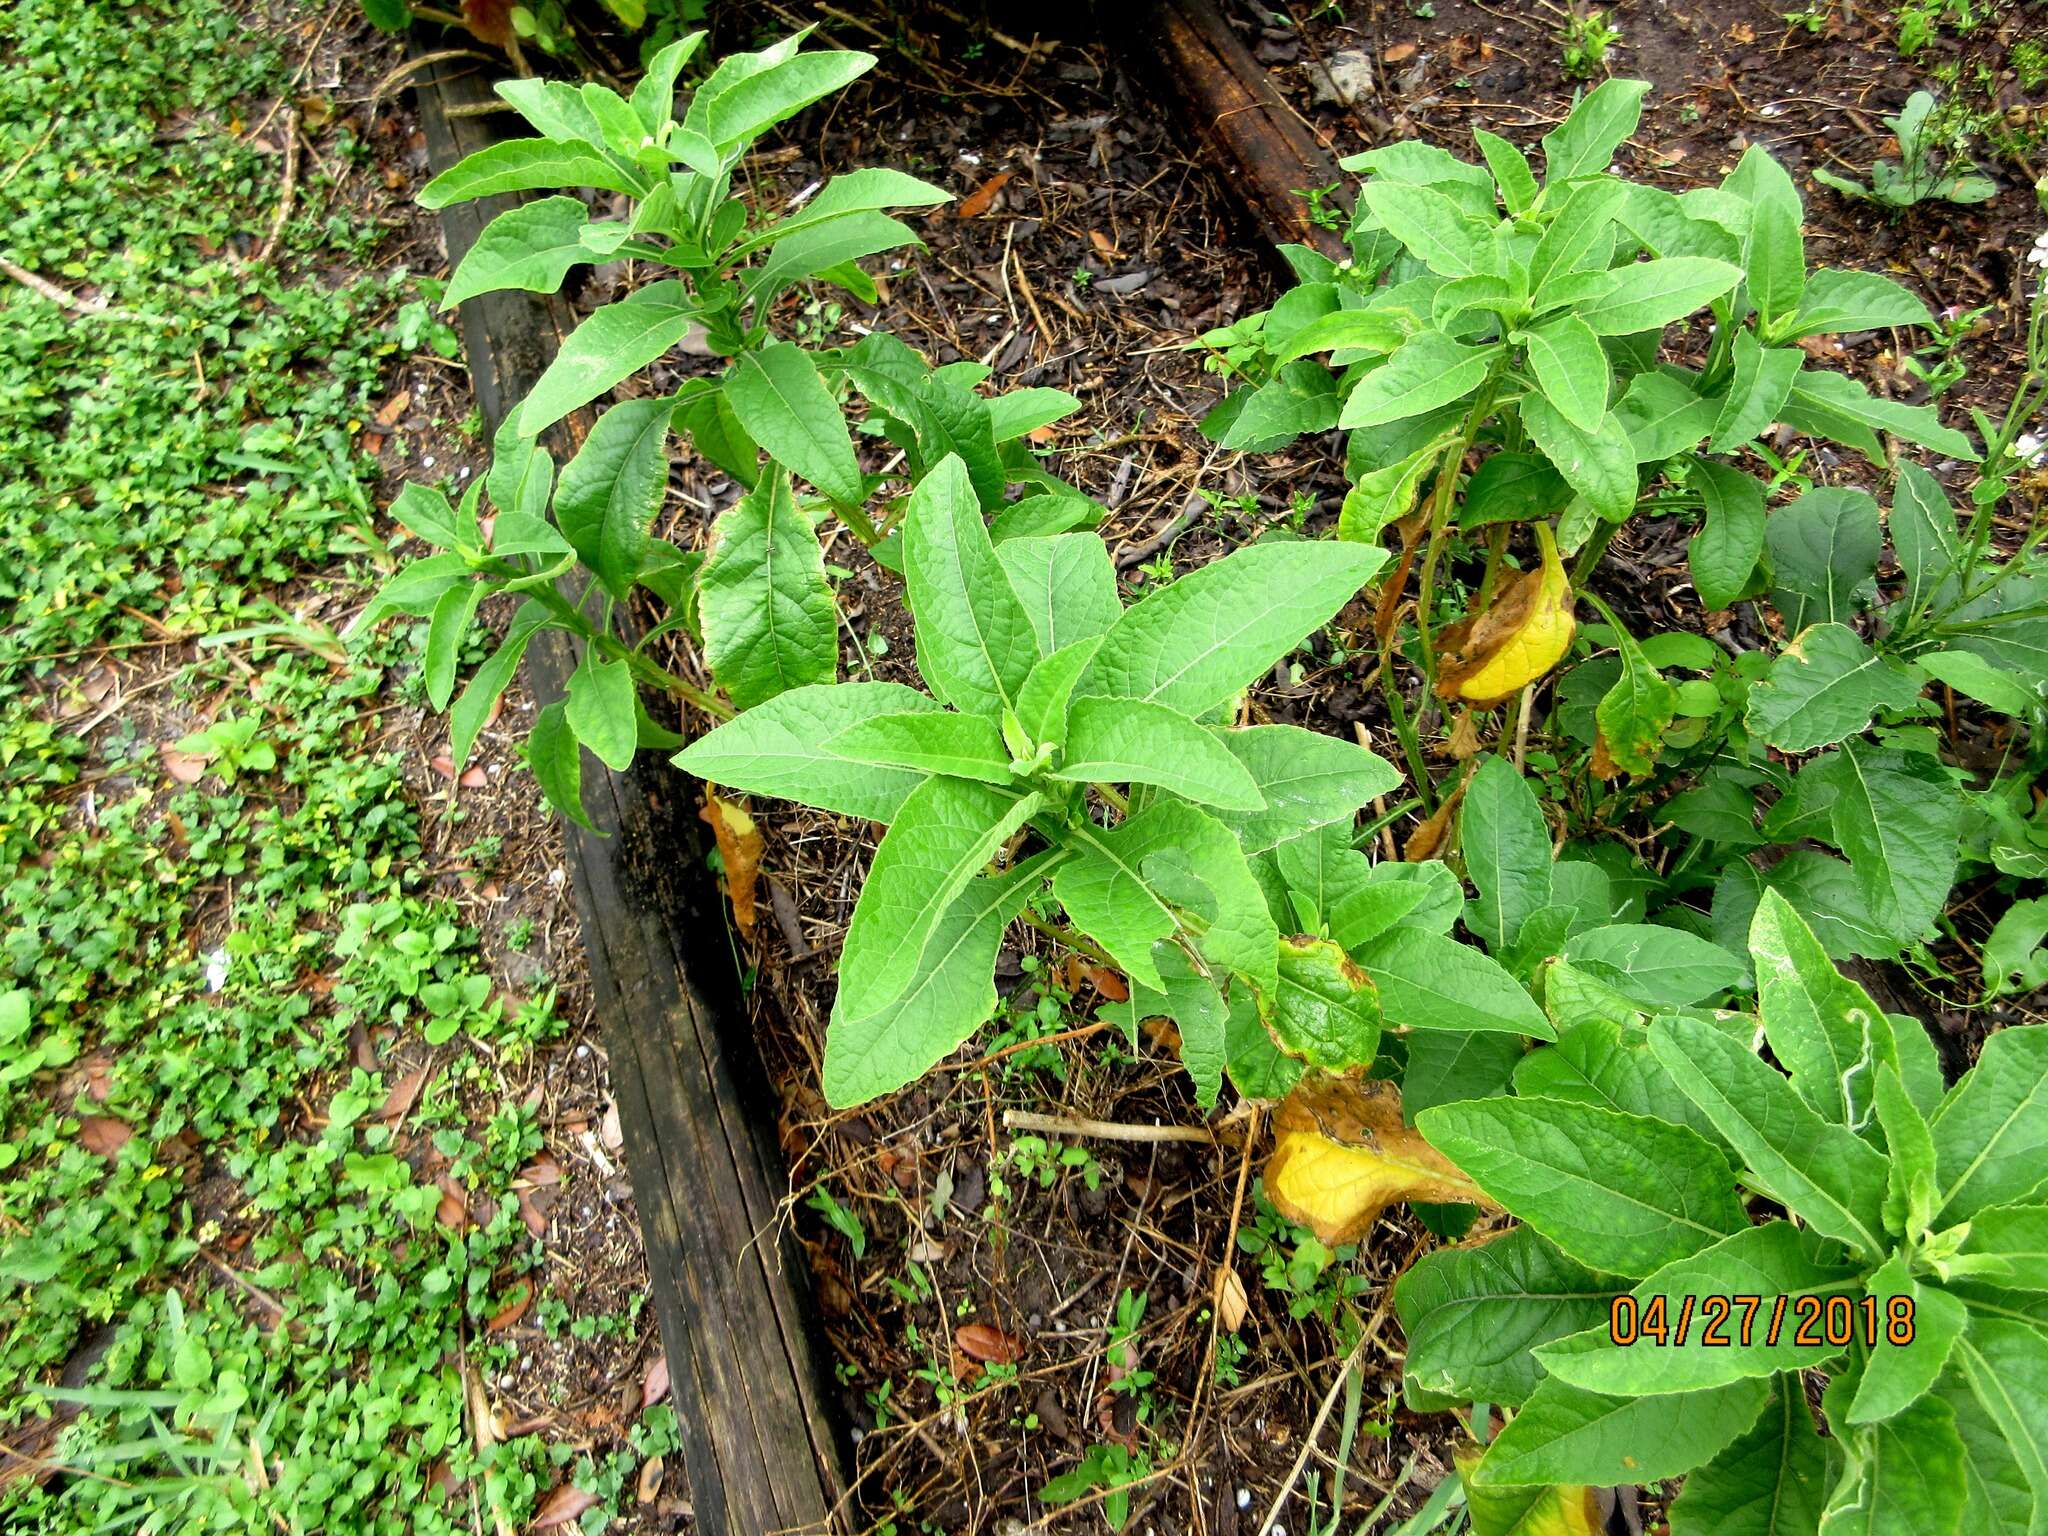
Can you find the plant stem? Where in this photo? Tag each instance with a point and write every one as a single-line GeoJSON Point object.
{"type": "Point", "coordinates": [1443, 494]}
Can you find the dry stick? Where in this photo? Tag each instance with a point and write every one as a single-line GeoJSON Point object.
{"type": "Point", "coordinates": [90, 309]}
{"type": "Point", "coordinates": [1322, 1417]}
{"type": "Point", "coordinates": [1103, 1130]}
{"type": "Point", "coordinates": [290, 194]}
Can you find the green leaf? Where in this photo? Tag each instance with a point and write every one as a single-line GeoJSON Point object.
{"type": "Point", "coordinates": [1193, 645]}
{"type": "Point", "coordinates": [2006, 1366]}
{"type": "Point", "coordinates": [729, 112]}
{"type": "Point", "coordinates": [976, 643]}
{"type": "Point", "coordinates": [779, 749]}
{"type": "Point", "coordinates": [1571, 369]}
{"type": "Point", "coordinates": [1256, 1064]}
{"type": "Point", "coordinates": [521, 476]}
{"type": "Point", "coordinates": [1824, 687]}
{"type": "Point", "coordinates": [1585, 142]}
{"type": "Point", "coordinates": [2007, 1246]}
{"type": "Point", "coordinates": [602, 710]}
{"type": "Point", "coordinates": [1510, 169]}
{"type": "Point", "coordinates": [1300, 397]}
{"type": "Point", "coordinates": [1771, 1481]}
{"type": "Point", "coordinates": [1898, 1375]}
{"type": "Point", "coordinates": [1307, 780]}
{"type": "Point", "coordinates": [1440, 234]}
{"type": "Point", "coordinates": [1769, 1262]}
{"type": "Point", "coordinates": [953, 993]}
{"type": "Point", "coordinates": [828, 252]}
{"type": "Point", "coordinates": [1601, 466]}
{"type": "Point", "coordinates": [1363, 331]}
{"type": "Point", "coordinates": [1762, 383]}
{"type": "Point", "coordinates": [1507, 851]}
{"type": "Point", "coordinates": [1587, 213]}
{"type": "Point", "coordinates": [965, 746]}
{"type": "Point", "coordinates": [1325, 1010]}
{"type": "Point", "coordinates": [1899, 818]}
{"type": "Point", "coordinates": [1974, 677]}
{"type": "Point", "coordinates": [1619, 1193]}
{"type": "Point", "coordinates": [2014, 956]}
{"type": "Point", "coordinates": [473, 708]}
{"type": "Point", "coordinates": [1202, 1016]}
{"type": "Point", "coordinates": [1833, 405]}
{"type": "Point", "coordinates": [1723, 554]}
{"type": "Point", "coordinates": [1066, 584]}
{"type": "Point", "coordinates": [611, 344]}
{"type": "Point", "coordinates": [1838, 300]}
{"type": "Point", "coordinates": [1444, 1066]}
{"type": "Point", "coordinates": [654, 97]}
{"type": "Point", "coordinates": [1126, 889]}
{"type": "Point", "coordinates": [1998, 1501]}
{"type": "Point", "coordinates": [1923, 529]}
{"type": "Point", "coordinates": [1823, 1028]}
{"type": "Point", "coordinates": [554, 107]}
{"type": "Point", "coordinates": [1387, 495]}
{"type": "Point", "coordinates": [1428, 371]}
{"type": "Point", "coordinates": [1663, 415]}
{"type": "Point", "coordinates": [716, 433]}
{"type": "Point", "coordinates": [1511, 487]}
{"type": "Point", "coordinates": [1043, 701]}
{"type": "Point", "coordinates": [1604, 1062]}
{"type": "Point", "coordinates": [1822, 1172]}
{"type": "Point", "coordinates": [1564, 1435]}
{"type": "Point", "coordinates": [946, 830]}
{"type": "Point", "coordinates": [557, 762]}
{"type": "Point", "coordinates": [863, 191]}
{"type": "Point", "coordinates": [1774, 254]}
{"type": "Point", "coordinates": [613, 488]}
{"type": "Point", "coordinates": [783, 404]}
{"type": "Point", "coordinates": [1903, 1476]}
{"type": "Point", "coordinates": [445, 634]}
{"type": "Point", "coordinates": [1824, 550]}
{"type": "Point", "coordinates": [766, 608]}
{"type": "Point", "coordinates": [1472, 1315]}
{"type": "Point", "coordinates": [1651, 294]}
{"type": "Point", "coordinates": [1633, 715]}
{"type": "Point", "coordinates": [531, 247]}
{"type": "Point", "coordinates": [524, 165]}
{"type": "Point", "coordinates": [1910, 1192]}
{"type": "Point", "coordinates": [1427, 981]}
{"type": "Point", "coordinates": [1991, 1131]}
{"type": "Point", "coordinates": [1136, 741]}
{"type": "Point", "coordinates": [1654, 966]}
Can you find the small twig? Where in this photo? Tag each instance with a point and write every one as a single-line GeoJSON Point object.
{"type": "Point", "coordinates": [290, 194]}
{"type": "Point", "coordinates": [90, 309]}
{"type": "Point", "coordinates": [1351, 1361]}
{"type": "Point", "coordinates": [1104, 1130]}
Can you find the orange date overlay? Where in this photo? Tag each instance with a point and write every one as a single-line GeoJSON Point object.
{"type": "Point", "coordinates": [1727, 1320]}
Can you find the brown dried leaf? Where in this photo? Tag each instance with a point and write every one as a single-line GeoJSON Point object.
{"type": "Point", "coordinates": [978, 1341]}
{"type": "Point", "coordinates": [977, 202]}
{"type": "Point", "coordinates": [185, 767]}
{"type": "Point", "coordinates": [562, 1507]}
{"type": "Point", "coordinates": [512, 1311]}
{"type": "Point", "coordinates": [654, 1386]}
{"type": "Point", "coordinates": [103, 1134]}
{"type": "Point", "coordinates": [1399, 53]}
{"type": "Point", "coordinates": [649, 1484]}
{"type": "Point", "coordinates": [1424, 841]}
{"type": "Point", "coordinates": [739, 847]}
{"type": "Point", "coordinates": [1341, 1156]}
{"type": "Point", "coordinates": [405, 1093]}
{"type": "Point", "coordinates": [1231, 1303]}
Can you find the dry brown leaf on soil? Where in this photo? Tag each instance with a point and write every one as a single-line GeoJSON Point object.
{"type": "Point", "coordinates": [1494, 654]}
{"type": "Point", "coordinates": [649, 1483]}
{"type": "Point", "coordinates": [977, 202]}
{"type": "Point", "coordinates": [1399, 53]}
{"type": "Point", "coordinates": [654, 1385]}
{"type": "Point", "coordinates": [513, 1310]}
{"type": "Point", "coordinates": [562, 1507]}
{"type": "Point", "coordinates": [979, 1341]}
{"type": "Point", "coordinates": [103, 1135]}
{"type": "Point", "coordinates": [739, 849]}
{"type": "Point", "coordinates": [1231, 1302]}
{"type": "Point", "coordinates": [405, 1093]}
{"type": "Point", "coordinates": [1341, 1155]}
{"type": "Point", "coordinates": [185, 767]}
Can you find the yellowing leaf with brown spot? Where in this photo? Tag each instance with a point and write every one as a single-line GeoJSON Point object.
{"type": "Point", "coordinates": [1341, 1156]}
{"type": "Point", "coordinates": [1569, 1510]}
{"type": "Point", "coordinates": [1524, 632]}
{"type": "Point", "coordinates": [739, 849]}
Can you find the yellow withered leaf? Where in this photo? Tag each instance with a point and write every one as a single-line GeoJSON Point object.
{"type": "Point", "coordinates": [739, 849]}
{"type": "Point", "coordinates": [1341, 1156]}
{"type": "Point", "coordinates": [1524, 632]}
{"type": "Point", "coordinates": [1557, 1510]}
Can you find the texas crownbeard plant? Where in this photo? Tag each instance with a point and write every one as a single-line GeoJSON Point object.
{"type": "Point", "coordinates": [759, 605]}
{"type": "Point", "coordinates": [1500, 352]}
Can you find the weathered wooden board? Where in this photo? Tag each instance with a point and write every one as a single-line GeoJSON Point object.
{"type": "Point", "coordinates": [1233, 118]}
{"type": "Point", "coordinates": [730, 1285]}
